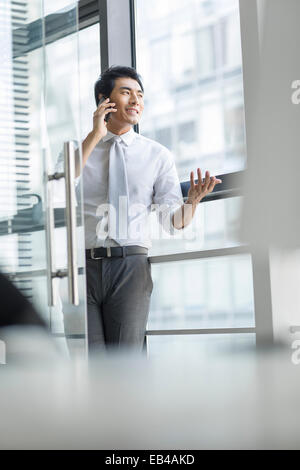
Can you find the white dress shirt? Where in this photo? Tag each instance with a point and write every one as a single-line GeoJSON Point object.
{"type": "Point", "coordinates": [152, 179]}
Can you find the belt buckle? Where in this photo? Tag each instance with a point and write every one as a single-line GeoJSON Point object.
{"type": "Point", "coordinates": [95, 257]}
{"type": "Point", "coordinates": [108, 253]}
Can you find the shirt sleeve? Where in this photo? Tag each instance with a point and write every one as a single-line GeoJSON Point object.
{"type": "Point", "coordinates": [167, 192]}
{"type": "Point", "coordinates": [59, 166]}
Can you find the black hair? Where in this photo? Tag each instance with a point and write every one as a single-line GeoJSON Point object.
{"type": "Point", "coordinates": [106, 82]}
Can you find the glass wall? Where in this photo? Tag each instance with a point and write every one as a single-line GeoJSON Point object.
{"type": "Point", "coordinates": [63, 54]}
{"type": "Point", "coordinates": [20, 152]}
{"type": "Point", "coordinates": [189, 56]}
{"type": "Point", "coordinates": [202, 293]}
{"type": "Point", "coordinates": [202, 348]}
{"type": "Point", "coordinates": [61, 120]}
{"type": "Point", "coordinates": [89, 71]}
{"type": "Point", "coordinates": [39, 110]}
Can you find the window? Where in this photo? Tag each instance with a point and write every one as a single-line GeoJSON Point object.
{"type": "Point", "coordinates": [187, 132]}
{"type": "Point", "coordinates": [201, 347]}
{"type": "Point", "coordinates": [206, 51]}
{"type": "Point", "coordinates": [164, 136]}
{"type": "Point", "coordinates": [205, 293]}
{"type": "Point", "coordinates": [63, 54]}
{"type": "Point", "coordinates": [189, 56]}
{"type": "Point", "coordinates": [231, 41]}
{"type": "Point", "coordinates": [184, 59]}
{"type": "Point", "coordinates": [37, 74]}
{"type": "Point", "coordinates": [89, 64]}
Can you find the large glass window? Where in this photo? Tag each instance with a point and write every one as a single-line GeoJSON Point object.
{"type": "Point", "coordinates": [89, 67]}
{"type": "Point", "coordinates": [205, 293]}
{"type": "Point", "coordinates": [203, 347]}
{"type": "Point", "coordinates": [216, 224]}
{"type": "Point", "coordinates": [189, 55]}
{"type": "Point", "coordinates": [89, 60]}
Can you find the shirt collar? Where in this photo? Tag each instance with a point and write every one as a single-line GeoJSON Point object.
{"type": "Point", "coordinates": [127, 138]}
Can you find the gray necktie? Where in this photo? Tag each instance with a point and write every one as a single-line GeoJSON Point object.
{"type": "Point", "coordinates": [117, 192]}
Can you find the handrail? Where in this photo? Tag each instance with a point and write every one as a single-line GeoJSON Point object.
{"type": "Point", "coordinates": [231, 186]}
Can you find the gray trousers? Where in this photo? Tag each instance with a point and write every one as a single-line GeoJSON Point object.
{"type": "Point", "coordinates": [118, 301]}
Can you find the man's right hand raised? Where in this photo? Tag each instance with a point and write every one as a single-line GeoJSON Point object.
{"type": "Point", "coordinates": [99, 123]}
{"type": "Point", "coordinates": [98, 132]}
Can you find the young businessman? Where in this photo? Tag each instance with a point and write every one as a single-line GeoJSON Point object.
{"type": "Point", "coordinates": [123, 174]}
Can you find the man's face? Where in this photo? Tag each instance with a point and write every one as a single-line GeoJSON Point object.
{"type": "Point", "coordinates": [129, 99]}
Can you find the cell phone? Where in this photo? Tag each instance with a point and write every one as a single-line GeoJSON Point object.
{"type": "Point", "coordinates": [107, 115]}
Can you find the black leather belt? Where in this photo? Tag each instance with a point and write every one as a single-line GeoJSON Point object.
{"type": "Point", "coordinates": [115, 251]}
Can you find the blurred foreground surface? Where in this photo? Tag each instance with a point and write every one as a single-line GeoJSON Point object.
{"type": "Point", "coordinates": [235, 400]}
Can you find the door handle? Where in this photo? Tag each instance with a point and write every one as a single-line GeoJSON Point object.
{"type": "Point", "coordinates": [49, 226]}
{"type": "Point", "coordinates": [69, 159]}
{"type": "Point", "coordinates": [72, 269]}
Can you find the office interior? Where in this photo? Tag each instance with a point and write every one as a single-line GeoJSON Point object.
{"type": "Point", "coordinates": [220, 362]}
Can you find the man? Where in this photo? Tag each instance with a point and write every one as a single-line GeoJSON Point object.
{"type": "Point", "coordinates": [123, 174]}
